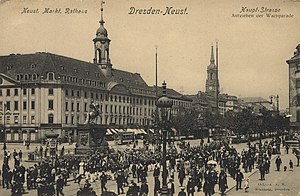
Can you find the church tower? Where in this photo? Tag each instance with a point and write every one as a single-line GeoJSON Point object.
{"type": "Point", "coordinates": [212, 81]}
{"type": "Point", "coordinates": [101, 47]}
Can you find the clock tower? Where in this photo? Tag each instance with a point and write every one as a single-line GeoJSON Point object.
{"type": "Point", "coordinates": [101, 47]}
{"type": "Point", "coordinates": [212, 80]}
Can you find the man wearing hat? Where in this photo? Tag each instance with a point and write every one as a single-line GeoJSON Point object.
{"type": "Point", "coordinates": [239, 178]}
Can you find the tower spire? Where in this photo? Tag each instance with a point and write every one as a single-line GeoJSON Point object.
{"type": "Point", "coordinates": [212, 58]}
{"type": "Point", "coordinates": [101, 9]}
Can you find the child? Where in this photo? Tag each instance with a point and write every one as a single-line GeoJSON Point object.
{"type": "Point", "coordinates": [291, 165]}
{"type": "Point", "coordinates": [284, 168]}
{"type": "Point", "coordinates": [246, 185]}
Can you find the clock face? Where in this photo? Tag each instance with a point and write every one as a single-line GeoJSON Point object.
{"type": "Point", "coordinates": [98, 44]}
{"type": "Point", "coordinates": [210, 87]}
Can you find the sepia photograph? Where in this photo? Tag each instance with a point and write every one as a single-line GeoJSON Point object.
{"type": "Point", "coordinates": [149, 97]}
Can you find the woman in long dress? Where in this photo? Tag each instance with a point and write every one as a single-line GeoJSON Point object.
{"type": "Point", "coordinates": [81, 168]}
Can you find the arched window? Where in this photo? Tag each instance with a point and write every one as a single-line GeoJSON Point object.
{"type": "Point", "coordinates": [99, 55]}
{"type": "Point", "coordinates": [34, 77]}
{"type": "Point", "coordinates": [50, 118]}
{"type": "Point", "coordinates": [51, 76]}
{"type": "Point", "coordinates": [25, 77]}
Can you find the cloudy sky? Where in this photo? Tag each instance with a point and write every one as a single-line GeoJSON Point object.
{"type": "Point", "coordinates": [252, 51]}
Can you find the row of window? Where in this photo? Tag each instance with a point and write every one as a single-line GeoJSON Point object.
{"type": "Point", "coordinates": [142, 91]}
{"type": "Point", "coordinates": [113, 109]}
{"type": "Point", "coordinates": [180, 103]}
{"type": "Point", "coordinates": [27, 77]}
{"type": "Point", "coordinates": [111, 120]}
{"type": "Point", "coordinates": [121, 99]}
{"type": "Point", "coordinates": [25, 104]}
{"type": "Point", "coordinates": [84, 81]}
{"type": "Point", "coordinates": [107, 120]}
{"type": "Point", "coordinates": [24, 91]}
{"type": "Point", "coordinates": [16, 119]}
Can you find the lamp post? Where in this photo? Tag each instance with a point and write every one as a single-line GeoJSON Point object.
{"type": "Point", "coordinates": [260, 121]}
{"type": "Point", "coordinates": [164, 105]}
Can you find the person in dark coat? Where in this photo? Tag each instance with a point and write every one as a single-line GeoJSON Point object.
{"type": "Point", "coordinates": [120, 181]}
{"type": "Point", "coordinates": [20, 155]}
{"type": "Point", "coordinates": [156, 172]}
{"type": "Point", "coordinates": [207, 188]}
{"type": "Point", "coordinates": [59, 185]}
{"type": "Point", "coordinates": [190, 187]}
{"type": "Point", "coordinates": [103, 180]}
{"type": "Point", "coordinates": [239, 178]}
{"type": "Point", "coordinates": [156, 186]}
{"type": "Point", "coordinates": [223, 182]}
{"type": "Point", "coordinates": [278, 163]}
{"type": "Point", "coordinates": [144, 189]}
{"type": "Point", "coordinates": [181, 175]}
{"type": "Point", "coordinates": [262, 170]}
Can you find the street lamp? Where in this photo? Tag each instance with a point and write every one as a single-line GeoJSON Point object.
{"type": "Point", "coordinates": [164, 105]}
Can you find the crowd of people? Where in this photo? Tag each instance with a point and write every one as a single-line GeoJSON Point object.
{"type": "Point", "coordinates": [197, 168]}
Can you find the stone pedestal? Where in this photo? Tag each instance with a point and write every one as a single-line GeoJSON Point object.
{"type": "Point", "coordinates": [89, 138]}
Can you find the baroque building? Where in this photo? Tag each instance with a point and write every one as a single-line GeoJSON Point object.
{"type": "Point", "coordinates": [45, 92]}
{"type": "Point", "coordinates": [294, 89]}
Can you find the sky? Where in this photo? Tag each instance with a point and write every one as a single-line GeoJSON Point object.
{"type": "Point", "coordinates": [252, 51]}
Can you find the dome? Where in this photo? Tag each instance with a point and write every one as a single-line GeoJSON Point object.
{"type": "Point", "coordinates": [164, 102]}
{"type": "Point", "coordinates": [101, 31]}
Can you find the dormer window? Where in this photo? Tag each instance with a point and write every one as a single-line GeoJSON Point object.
{"type": "Point", "coordinates": [9, 67]}
{"type": "Point", "coordinates": [51, 76]}
{"type": "Point", "coordinates": [18, 77]}
{"type": "Point", "coordinates": [87, 72]}
{"type": "Point", "coordinates": [75, 70]}
{"type": "Point", "coordinates": [34, 77]}
{"type": "Point", "coordinates": [62, 67]}
{"type": "Point", "coordinates": [33, 66]}
{"type": "Point", "coordinates": [25, 77]}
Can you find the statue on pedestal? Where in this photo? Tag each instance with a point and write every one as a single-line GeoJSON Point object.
{"type": "Point", "coordinates": [93, 114]}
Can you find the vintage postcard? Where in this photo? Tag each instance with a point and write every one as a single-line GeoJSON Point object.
{"type": "Point", "coordinates": [75, 74]}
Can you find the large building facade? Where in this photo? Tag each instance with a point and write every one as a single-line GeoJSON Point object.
{"type": "Point", "coordinates": [45, 92]}
{"type": "Point", "coordinates": [294, 89]}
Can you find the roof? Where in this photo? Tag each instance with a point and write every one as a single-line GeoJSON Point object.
{"type": "Point", "coordinates": [256, 101]}
{"type": "Point", "coordinates": [42, 63]}
{"type": "Point", "coordinates": [171, 93]}
{"type": "Point", "coordinates": [128, 79]}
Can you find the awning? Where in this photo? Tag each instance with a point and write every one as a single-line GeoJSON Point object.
{"type": "Point", "coordinates": [119, 130]}
{"type": "Point", "coordinates": [143, 131]}
{"type": "Point", "coordinates": [113, 131]}
{"type": "Point", "coordinates": [130, 130]}
{"type": "Point", "coordinates": [108, 132]}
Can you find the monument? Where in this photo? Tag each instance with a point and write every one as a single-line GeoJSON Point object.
{"type": "Point", "coordinates": [90, 134]}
